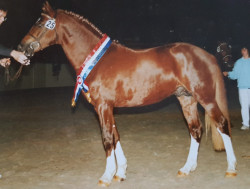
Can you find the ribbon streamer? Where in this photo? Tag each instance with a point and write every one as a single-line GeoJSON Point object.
{"type": "Point", "coordinates": [87, 66]}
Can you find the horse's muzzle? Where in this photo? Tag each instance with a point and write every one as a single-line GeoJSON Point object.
{"type": "Point", "coordinates": [28, 50]}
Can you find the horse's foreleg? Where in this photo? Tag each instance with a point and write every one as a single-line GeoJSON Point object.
{"type": "Point", "coordinates": [120, 157]}
{"type": "Point", "coordinates": [105, 113]}
{"type": "Point", "coordinates": [189, 107]}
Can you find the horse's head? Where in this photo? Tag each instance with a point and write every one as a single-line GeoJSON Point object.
{"type": "Point", "coordinates": [42, 34]}
{"type": "Point", "coordinates": [224, 52]}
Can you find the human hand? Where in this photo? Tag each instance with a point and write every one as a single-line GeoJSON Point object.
{"type": "Point", "coordinates": [20, 57]}
{"type": "Point", "coordinates": [5, 62]}
{"type": "Point", "coordinates": [225, 74]}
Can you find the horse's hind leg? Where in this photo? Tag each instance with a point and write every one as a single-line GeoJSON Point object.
{"type": "Point", "coordinates": [189, 107]}
{"type": "Point", "coordinates": [231, 159]}
{"type": "Point", "coordinates": [223, 128]}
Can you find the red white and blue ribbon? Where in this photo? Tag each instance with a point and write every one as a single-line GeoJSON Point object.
{"type": "Point", "coordinates": [89, 64]}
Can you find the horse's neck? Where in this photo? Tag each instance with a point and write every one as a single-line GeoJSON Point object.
{"type": "Point", "coordinates": [76, 40]}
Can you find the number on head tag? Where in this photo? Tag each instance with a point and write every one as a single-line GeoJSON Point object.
{"type": "Point", "coordinates": [50, 24]}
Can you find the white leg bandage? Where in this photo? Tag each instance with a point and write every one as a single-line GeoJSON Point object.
{"type": "Point", "coordinates": [121, 161]}
{"type": "Point", "coordinates": [231, 159]}
{"type": "Point", "coordinates": [110, 169]}
{"type": "Point", "coordinates": [191, 162]}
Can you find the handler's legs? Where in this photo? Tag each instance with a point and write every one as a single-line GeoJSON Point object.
{"type": "Point", "coordinates": [244, 96]}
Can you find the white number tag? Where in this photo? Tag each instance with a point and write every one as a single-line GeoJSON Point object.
{"type": "Point", "coordinates": [50, 24]}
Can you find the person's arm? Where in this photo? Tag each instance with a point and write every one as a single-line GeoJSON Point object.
{"type": "Point", "coordinates": [235, 73]}
{"type": "Point", "coordinates": [18, 56]}
{"type": "Point", "coordinates": [5, 51]}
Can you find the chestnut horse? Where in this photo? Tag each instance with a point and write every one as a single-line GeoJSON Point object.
{"type": "Point", "coordinates": [126, 78]}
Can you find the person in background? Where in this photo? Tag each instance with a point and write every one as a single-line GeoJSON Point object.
{"type": "Point", "coordinates": [18, 56]}
{"type": "Point", "coordinates": [241, 72]}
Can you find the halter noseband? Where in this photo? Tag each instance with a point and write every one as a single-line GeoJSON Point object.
{"type": "Point", "coordinates": [228, 55]}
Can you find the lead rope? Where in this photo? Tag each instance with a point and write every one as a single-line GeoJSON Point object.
{"type": "Point", "coordinates": [7, 76]}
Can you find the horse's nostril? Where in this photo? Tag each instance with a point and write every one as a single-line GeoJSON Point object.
{"type": "Point", "coordinates": [34, 45]}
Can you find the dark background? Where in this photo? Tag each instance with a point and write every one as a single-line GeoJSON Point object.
{"type": "Point", "coordinates": [142, 23]}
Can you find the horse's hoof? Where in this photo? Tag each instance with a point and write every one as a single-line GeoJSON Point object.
{"type": "Point", "coordinates": [103, 184]}
{"type": "Point", "coordinates": [230, 174]}
{"type": "Point", "coordinates": [181, 174]}
{"type": "Point", "coordinates": [118, 179]}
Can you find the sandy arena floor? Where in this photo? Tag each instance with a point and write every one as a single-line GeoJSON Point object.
{"type": "Point", "coordinates": [44, 145]}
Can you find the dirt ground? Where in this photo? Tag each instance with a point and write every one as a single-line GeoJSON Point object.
{"type": "Point", "coordinates": [46, 145]}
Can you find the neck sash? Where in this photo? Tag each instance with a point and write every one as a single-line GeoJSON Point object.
{"type": "Point", "coordinates": [88, 64]}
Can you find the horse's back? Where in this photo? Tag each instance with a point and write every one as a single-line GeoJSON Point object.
{"type": "Point", "coordinates": [178, 55]}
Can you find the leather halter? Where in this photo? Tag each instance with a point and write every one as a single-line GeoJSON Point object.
{"type": "Point", "coordinates": [219, 50]}
{"type": "Point", "coordinates": [44, 31]}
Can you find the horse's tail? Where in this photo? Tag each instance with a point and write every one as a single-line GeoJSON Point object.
{"type": "Point", "coordinates": [221, 100]}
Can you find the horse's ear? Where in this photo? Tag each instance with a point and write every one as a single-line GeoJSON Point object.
{"type": "Point", "coordinates": [47, 9]}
